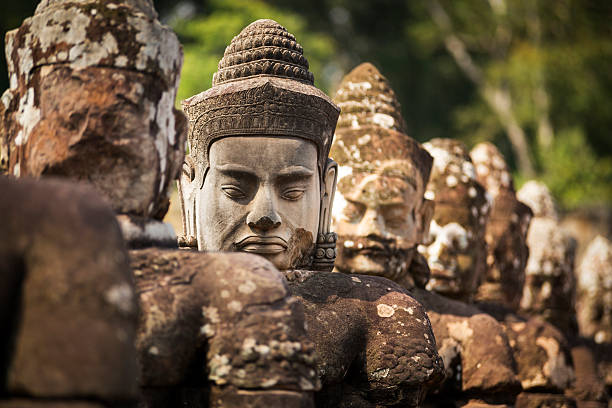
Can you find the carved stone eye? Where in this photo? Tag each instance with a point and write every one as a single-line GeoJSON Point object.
{"type": "Point", "coordinates": [293, 194]}
{"type": "Point", "coordinates": [233, 192]}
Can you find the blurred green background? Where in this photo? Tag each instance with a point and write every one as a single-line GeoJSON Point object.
{"type": "Point", "coordinates": [532, 76]}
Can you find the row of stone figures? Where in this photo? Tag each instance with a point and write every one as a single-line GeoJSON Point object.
{"type": "Point", "coordinates": [424, 280]}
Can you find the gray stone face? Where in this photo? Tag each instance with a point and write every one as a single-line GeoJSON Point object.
{"type": "Point", "coordinates": [69, 309]}
{"type": "Point", "coordinates": [550, 285]}
{"type": "Point", "coordinates": [260, 138]}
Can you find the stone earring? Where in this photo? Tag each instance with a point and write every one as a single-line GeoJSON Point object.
{"type": "Point", "coordinates": [325, 252]}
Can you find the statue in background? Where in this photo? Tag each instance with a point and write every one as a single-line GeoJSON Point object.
{"type": "Point", "coordinates": [550, 285]}
{"type": "Point", "coordinates": [456, 249]}
{"type": "Point", "coordinates": [535, 343]}
{"type": "Point", "coordinates": [380, 213]}
{"type": "Point", "coordinates": [594, 303]}
{"type": "Point", "coordinates": [381, 217]}
{"type": "Point", "coordinates": [263, 183]}
{"type": "Point", "coordinates": [506, 230]}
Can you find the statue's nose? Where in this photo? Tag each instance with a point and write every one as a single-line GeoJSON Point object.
{"type": "Point", "coordinates": [265, 223]}
{"type": "Point", "coordinates": [263, 215]}
{"type": "Point", "coordinates": [372, 223]}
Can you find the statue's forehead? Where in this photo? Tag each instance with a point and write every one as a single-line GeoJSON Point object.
{"type": "Point", "coordinates": [264, 153]}
{"type": "Point", "coordinates": [378, 188]}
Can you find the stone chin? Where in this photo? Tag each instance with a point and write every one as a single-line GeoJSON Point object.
{"type": "Point", "coordinates": [363, 264]}
{"type": "Point", "coordinates": [444, 285]}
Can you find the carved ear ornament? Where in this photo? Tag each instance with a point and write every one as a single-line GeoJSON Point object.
{"type": "Point", "coordinates": [325, 252]}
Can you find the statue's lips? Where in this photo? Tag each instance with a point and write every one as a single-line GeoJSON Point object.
{"type": "Point", "coordinates": [262, 245]}
{"type": "Point", "coordinates": [372, 251]}
{"type": "Point", "coordinates": [442, 272]}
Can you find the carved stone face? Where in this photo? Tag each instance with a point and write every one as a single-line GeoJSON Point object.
{"type": "Point", "coordinates": [549, 285]}
{"type": "Point", "coordinates": [454, 255]}
{"type": "Point", "coordinates": [377, 217]}
{"type": "Point", "coordinates": [594, 306]}
{"type": "Point", "coordinates": [456, 249]}
{"type": "Point", "coordinates": [506, 232]}
{"type": "Point", "coordinates": [261, 195]}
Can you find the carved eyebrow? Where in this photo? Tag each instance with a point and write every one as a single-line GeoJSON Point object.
{"type": "Point", "coordinates": [295, 171]}
{"type": "Point", "coordinates": [235, 170]}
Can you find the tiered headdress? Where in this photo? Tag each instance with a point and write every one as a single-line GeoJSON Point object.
{"type": "Point", "coordinates": [262, 88]}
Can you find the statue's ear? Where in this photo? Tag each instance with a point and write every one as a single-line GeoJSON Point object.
{"type": "Point", "coordinates": [187, 191]}
{"type": "Point", "coordinates": [424, 219]}
{"type": "Point", "coordinates": [328, 189]}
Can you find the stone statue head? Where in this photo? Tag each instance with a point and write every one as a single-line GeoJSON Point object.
{"type": "Point", "coordinates": [549, 289]}
{"type": "Point", "coordinates": [456, 248]}
{"type": "Point", "coordinates": [594, 303]}
{"type": "Point", "coordinates": [506, 232]}
{"type": "Point", "coordinates": [538, 197]}
{"type": "Point", "coordinates": [259, 140]}
{"type": "Point", "coordinates": [380, 214]}
{"type": "Point", "coordinates": [91, 97]}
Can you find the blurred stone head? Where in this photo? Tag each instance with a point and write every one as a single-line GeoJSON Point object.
{"type": "Point", "coordinates": [506, 232]}
{"type": "Point", "coordinates": [549, 289]}
{"type": "Point", "coordinates": [456, 248]}
{"type": "Point", "coordinates": [538, 197]}
{"type": "Point", "coordinates": [92, 89]}
{"type": "Point", "coordinates": [380, 214]}
{"type": "Point", "coordinates": [260, 139]}
{"type": "Point", "coordinates": [594, 293]}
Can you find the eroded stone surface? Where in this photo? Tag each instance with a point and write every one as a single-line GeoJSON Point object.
{"type": "Point", "coordinates": [92, 98]}
{"type": "Point", "coordinates": [476, 351]}
{"type": "Point", "coordinates": [220, 325]}
{"type": "Point", "coordinates": [375, 342]}
{"type": "Point", "coordinates": [69, 311]}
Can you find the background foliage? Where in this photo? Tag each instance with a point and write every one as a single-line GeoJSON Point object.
{"type": "Point", "coordinates": [532, 76]}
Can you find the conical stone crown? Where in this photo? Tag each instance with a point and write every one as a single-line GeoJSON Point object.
{"type": "Point", "coordinates": [366, 98]}
{"type": "Point", "coordinates": [264, 47]}
{"type": "Point", "coordinates": [370, 128]}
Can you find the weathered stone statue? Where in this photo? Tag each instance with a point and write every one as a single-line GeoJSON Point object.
{"type": "Point", "coordinates": [535, 343]}
{"type": "Point", "coordinates": [594, 303]}
{"type": "Point", "coordinates": [263, 183]}
{"type": "Point", "coordinates": [477, 346]}
{"type": "Point", "coordinates": [68, 310]}
{"type": "Point", "coordinates": [550, 291]}
{"type": "Point", "coordinates": [506, 230]}
{"type": "Point", "coordinates": [380, 213]}
{"type": "Point", "coordinates": [550, 285]}
{"type": "Point", "coordinates": [381, 217]}
{"type": "Point", "coordinates": [456, 252]}
{"type": "Point", "coordinates": [91, 97]}
{"type": "Point", "coordinates": [214, 329]}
